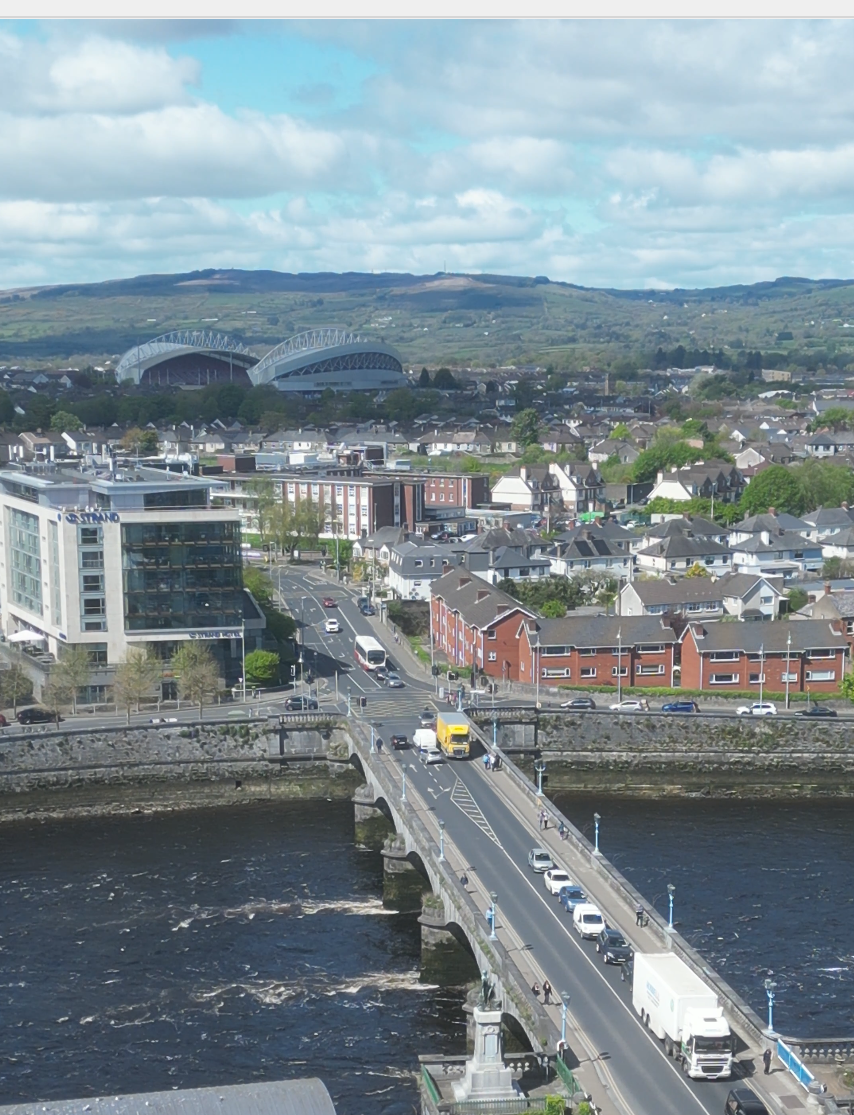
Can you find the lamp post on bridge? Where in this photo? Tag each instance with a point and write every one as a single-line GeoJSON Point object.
{"type": "Point", "coordinates": [564, 1007]}
{"type": "Point", "coordinates": [770, 988]}
{"type": "Point", "coordinates": [597, 817]}
{"type": "Point", "coordinates": [349, 697]}
{"type": "Point", "coordinates": [671, 890]}
{"type": "Point", "coordinates": [788, 660]}
{"type": "Point", "coordinates": [403, 791]}
{"type": "Point", "coordinates": [373, 741]}
{"type": "Point", "coordinates": [441, 842]}
{"type": "Point", "coordinates": [494, 914]}
{"type": "Point", "coordinates": [540, 768]}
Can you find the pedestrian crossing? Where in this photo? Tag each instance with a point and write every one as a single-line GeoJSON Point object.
{"type": "Point", "coordinates": [463, 800]}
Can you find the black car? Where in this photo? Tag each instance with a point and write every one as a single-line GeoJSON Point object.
{"type": "Point", "coordinates": [680, 706]}
{"type": "Point", "coordinates": [817, 710]}
{"type": "Point", "coordinates": [613, 946]}
{"type": "Point", "coordinates": [368, 610]}
{"type": "Point", "coordinates": [38, 716]}
{"type": "Point", "coordinates": [579, 703]}
{"type": "Point", "coordinates": [300, 704]}
{"type": "Point", "coordinates": [741, 1101]}
{"type": "Point", "coordinates": [400, 743]}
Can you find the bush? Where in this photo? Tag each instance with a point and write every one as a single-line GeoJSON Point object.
{"type": "Point", "coordinates": [411, 616]}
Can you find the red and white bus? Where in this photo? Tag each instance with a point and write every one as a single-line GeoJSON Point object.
{"type": "Point", "coordinates": [369, 653]}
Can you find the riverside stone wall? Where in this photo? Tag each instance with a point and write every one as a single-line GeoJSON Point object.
{"type": "Point", "coordinates": [693, 754]}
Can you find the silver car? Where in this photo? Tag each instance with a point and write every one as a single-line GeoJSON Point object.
{"type": "Point", "coordinates": [540, 861]}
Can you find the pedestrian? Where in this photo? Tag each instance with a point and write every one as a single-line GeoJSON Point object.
{"type": "Point", "coordinates": [464, 880]}
{"type": "Point", "coordinates": [540, 819]}
{"type": "Point", "coordinates": [536, 990]}
{"type": "Point", "coordinates": [562, 831]}
{"type": "Point", "coordinates": [486, 761]}
{"type": "Point", "coordinates": [639, 914]}
{"type": "Point", "coordinates": [547, 992]}
{"type": "Point", "coordinates": [379, 745]}
{"type": "Point", "coordinates": [766, 1060]}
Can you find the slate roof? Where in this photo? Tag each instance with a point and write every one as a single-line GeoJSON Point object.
{"type": "Point", "coordinates": [477, 601]}
{"type": "Point", "coordinates": [807, 634]}
{"type": "Point", "coordinates": [695, 589]}
{"type": "Point", "coordinates": [681, 546]}
{"type": "Point", "coordinates": [587, 549]}
{"type": "Point", "coordinates": [698, 527]}
{"type": "Point", "coordinates": [825, 517]}
{"type": "Point", "coordinates": [603, 631]}
{"type": "Point", "coordinates": [599, 528]}
{"type": "Point", "coordinates": [773, 523]}
{"type": "Point", "coordinates": [777, 543]}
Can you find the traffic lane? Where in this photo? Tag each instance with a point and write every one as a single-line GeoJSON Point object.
{"type": "Point", "coordinates": [636, 1059]}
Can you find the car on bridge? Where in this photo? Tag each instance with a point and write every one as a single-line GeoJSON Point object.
{"type": "Point", "coordinates": [580, 704]}
{"type": "Point", "coordinates": [332, 627]}
{"type": "Point", "coordinates": [555, 880]}
{"type": "Point", "coordinates": [817, 710]}
{"type": "Point", "coordinates": [613, 946]}
{"type": "Point", "coordinates": [758, 708]}
{"type": "Point", "coordinates": [540, 861]}
{"type": "Point", "coordinates": [680, 706]}
{"type": "Point", "coordinates": [329, 602]}
{"type": "Point", "coordinates": [741, 1101]}
{"type": "Point", "coordinates": [588, 920]}
{"type": "Point", "coordinates": [400, 742]}
{"type": "Point", "coordinates": [632, 704]}
{"type": "Point", "coordinates": [427, 718]}
{"type": "Point", "coordinates": [300, 704]}
{"type": "Point", "coordinates": [570, 897]}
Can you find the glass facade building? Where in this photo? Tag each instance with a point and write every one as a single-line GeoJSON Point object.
{"type": "Point", "coordinates": [182, 575]}
{"type": "Point", "coordinates": [25, 560]}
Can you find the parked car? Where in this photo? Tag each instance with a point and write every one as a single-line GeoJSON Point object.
{"type": "Point", "coordinates": [540, 861]}
{"type": "Point", "coordinates": [818, 710]}
{"type": "Point", "coordinates": [680, 706]}
{"type": "Point", "coordinates": [394, 681]}
{"type": "Point", "coordinates": [758, 708]}
{"type": "Point", "coordinates": [570, 897]}
{"type": "Point", "coordinates": [400, 743]}
{"type": "Point", "coordinates": [38, 716]}
{"type": "Point", "coordinates": [741, 1101]}
{"type": "Point", "coordinates": [631, 704]}
{"type": "Point", "coordinates": [613, 946]}
{"type": "Point", "coordinates": [332, 627]}
{"type": "Point", "coordinates": [300, 704]}
{"type": "Point", "coordinates": [167, 719]}
{"type": "Point", "coordinates": [368, 610]}
{"type": "Point", "coordinates": [580, 703]}
{"type": "Point", "coordinates": [588, 920]}
{"type": "Point", "coordinates": [427, 718]}
{"type": "Point", "coordinates": [556, 879]}
{"type": "Point", "coordinates": [328, 602]}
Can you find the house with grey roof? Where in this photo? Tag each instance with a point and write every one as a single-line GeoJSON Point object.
{"type": "Point", "coordinates": [585, 550]}
{"type": "Point", "coordinates": [826, 522]}
{"type": "Point", "coordinates": [504, 554]}
{"type": "Point", "coordinates": [413, 566]}
{"type": "Point", "coordinates": [742, 595]}
{"type": "Point", "coordinates": [782, 553]}
{"type": "Point", "coordinates": [679, 552]}
{"type": "Point", "coordinates": [769, 522]}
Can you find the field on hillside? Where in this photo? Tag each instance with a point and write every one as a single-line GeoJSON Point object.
{"type": "Point", "coordinates": [456, 320]}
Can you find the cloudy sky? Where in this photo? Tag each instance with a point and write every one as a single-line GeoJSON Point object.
{"type": "Point", "coordinates": [609, 154]}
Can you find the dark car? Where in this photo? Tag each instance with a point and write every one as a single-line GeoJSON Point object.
{"type": "Point", "coordinates": [817, 710]}
{"type": "Point", "coordinates": [579, 703]}
{"type": "Point", "coordinates": [613, 946]}
{"type": "Point", "coordinates": [300, 704]}
{"type": "Point", "coordinates": [368, 610]}
{"type": "Point", "coordinates": [381, 675]}
{"type": "Point", "coordinates": [741, 1101]}
{"type": "Point", "coordinates": [38, 716]}
{"type": "Point", "coordinates": [681, 706]}
{"type": "Point", "coordinates": [400, 743]}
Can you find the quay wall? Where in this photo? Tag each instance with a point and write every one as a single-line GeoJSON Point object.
{"type": "Point", "coordinates": [657, 754]}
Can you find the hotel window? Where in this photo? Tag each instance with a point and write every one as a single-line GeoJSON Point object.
{"type": "Point", "coordinates": [587, 652]}
{"type": "Point", "coordinates": [651, 648]}
{"type": "Point", "coordinates": [556, 673]}
{"type": "Point", "coordinates": [657, 669]}
{"type": "Point", "coordinates": [755, 679]}
{"type": "Point", "coordinates": [789, 677]}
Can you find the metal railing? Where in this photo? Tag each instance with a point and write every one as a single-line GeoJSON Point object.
{"type": "Point", "coordinates": [567, 1077]}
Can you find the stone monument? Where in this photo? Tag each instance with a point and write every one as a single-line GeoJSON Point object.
{"type": "Point", "coordinates": [486, 1077]}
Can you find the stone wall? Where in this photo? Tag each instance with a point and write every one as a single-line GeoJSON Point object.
{"type": "Point", "coordinates": [694, 754]}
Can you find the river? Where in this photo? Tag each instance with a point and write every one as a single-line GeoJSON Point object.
{"type": "Point", "coordinates": [219, 947]}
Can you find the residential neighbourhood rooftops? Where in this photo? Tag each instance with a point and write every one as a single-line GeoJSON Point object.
{"type": "Point", "coordinates": [477, 601]}
{"type": "Point", "coordinates": [768, 638]}
{"type": "Point", "coordinates": [600, 631]}
{"type": "Point", "coordinates": [671, 591]}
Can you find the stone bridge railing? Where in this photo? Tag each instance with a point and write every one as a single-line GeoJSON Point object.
{"type": "Point", "coordinates": [459, 907]}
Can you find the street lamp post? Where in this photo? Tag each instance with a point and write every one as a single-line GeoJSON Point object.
{"type": "Point", "coordinates": [671, 890]}
{"type": "Point", "coordinates": [441, 842]}
{"type": "Point", "coordinates": [403, 791]}
{"type": "Point", "coordinates": [619, 665]}
{"type": "Point", "coordinates": [540, 768]}
{"type": "Point", "coordinates": [564, 1007]}
{"type": "Point", "coordinates": [494, 898]}
{"type": "Point", "coordinates": [374, 748]}
{"type": "Point", "coordinates": [761, 670]}
{"type": "Point", "coordinates": [770, 988]}
{"type": "Point", "coordinates": [535, 657]}
{"type": "Point", "coordinates": [597, 817]}
{"type": "Point", "coordinates": [349, 699]}
{"type": "Point", "coordinates": [788, 656]}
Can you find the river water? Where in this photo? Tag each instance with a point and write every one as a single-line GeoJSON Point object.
{"type": "Point", "coordinates": [220, 947]}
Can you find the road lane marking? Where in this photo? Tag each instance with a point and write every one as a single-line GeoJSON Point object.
{"type": "Point", "coordinates": [463, 800]}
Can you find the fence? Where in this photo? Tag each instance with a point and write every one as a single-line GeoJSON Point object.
{"type": "Point", "coordinates": [794, 1064]}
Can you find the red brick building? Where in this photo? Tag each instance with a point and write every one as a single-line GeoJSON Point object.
{"type": "Point", "coordinates": [590, 650]}
{"type": "Point", "coordinates": [453, 491]}
{"type": "Point", "coordinates": [477, 625]}
{"type": "Point", "coordinates": [721, 656]}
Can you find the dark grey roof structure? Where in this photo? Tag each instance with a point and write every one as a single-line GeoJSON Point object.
{"type": "Point", "coordinates": [602, 631]}
{"type": "Point", "coordinates": [477, 601]}
{"type": "Point", "coordinates": [752, 638]}
{"type": "Point", "coordinates": [679, 547]}
{"type": "Point", "coordinates": [275, 1097]}
{"type": "Point", "coordinates": [770, 522]}
{"type": "Point", "coordinates": [697, 589]}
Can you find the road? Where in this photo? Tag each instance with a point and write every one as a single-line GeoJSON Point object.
{"type": "Point", "coordinates": [495, 842]}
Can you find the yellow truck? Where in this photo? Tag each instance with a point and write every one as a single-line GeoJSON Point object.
{"type": "Point", "coordinates": [453, 733]}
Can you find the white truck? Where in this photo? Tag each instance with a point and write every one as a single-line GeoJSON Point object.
{"type": "Point", "coordinates": [426, 742]}
{"type": "Point", "coordinates": [684, 1013]}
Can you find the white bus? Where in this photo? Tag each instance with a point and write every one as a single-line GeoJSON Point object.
{"type": "Point", "coordinates": [369, 653]}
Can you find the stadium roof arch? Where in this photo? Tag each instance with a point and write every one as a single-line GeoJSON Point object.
{"type": "Point", "coordinates": [186, 358]}
{"type": "Point", "coordinates": [324, 359]}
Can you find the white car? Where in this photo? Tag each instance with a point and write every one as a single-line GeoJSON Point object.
{"type": "Point", "coordinates": [632, 704]}
{"type": "Point", "coordinates": [758, 708]}
{"type": "Point", "coordinates": [555, 880]}
{"type": "Point", "coordinates": [332, 627]}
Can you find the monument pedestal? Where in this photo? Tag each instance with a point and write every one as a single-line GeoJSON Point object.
{"type": "Point", "coordinates": [487, 1077]}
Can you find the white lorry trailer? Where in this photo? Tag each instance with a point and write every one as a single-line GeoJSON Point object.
{"type": "Point", "coordinates": [684, 1013]}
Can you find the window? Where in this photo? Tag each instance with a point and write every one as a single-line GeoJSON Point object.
{"type": "Point", "coordinates": [756, 679]}
{"type": "Point", "coordinates": [651, 669]}
{"type": "Point", "coordinates": [724, 679]}
{"type": "Point", "coordinates": [555, 672]}
{"type": "Point", "coordinates": [91, 536]}
{"type": "Point", "coordinates": [491, 633]}
{"type": "Point", "coordinates": [651, 648]}
{"type": "Point", "coordinates": [821, 675]}
{"type": "Point", "coordinates": [492, 656]}
{"type": "Point", "coordinates": [94, 606]}
{"type": "Point", "coordinates": [92, 582]}
{"type": "Point", "coordinates": [97, 653]}
{"type": "Point", "coordinates": [587, 652]}
{"type": "Point", "coordinates": [765, 599]}
{"type": "Point", "coordinates": [623, 671]}
{"type": "Point", "coordinates": [724, 656]}
{"type": "Point", "coordinates": [822, 654]}
{"type": "Point", "coordinates": [588, 671]}
{"type": "Point", "coordinates": [789, 677]}
{"type": "Point", "coordinates": [554, 652]}
{"type": "Point", "coordinates": [418, 563]}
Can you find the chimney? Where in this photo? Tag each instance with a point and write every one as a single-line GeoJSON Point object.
{"type": "Point", "coordinates": [772, 511]}
{"type": "Point", "coordinates": [828, 588]}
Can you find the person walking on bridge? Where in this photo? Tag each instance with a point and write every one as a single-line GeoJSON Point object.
{"type": "Point", "coordinates": [639, 912]}
{"type": "Point", "coordinates": [766, 1060]}
{"type": "Point", "coordinates": [547, 992]}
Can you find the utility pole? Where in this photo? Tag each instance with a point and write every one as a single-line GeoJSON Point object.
{"type": "Point", "coordinates": [619, 665]}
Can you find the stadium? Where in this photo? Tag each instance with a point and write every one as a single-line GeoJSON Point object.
{"type": "Point", "coordinates": [310, 362]}
{"type": "Point", "coordinates": [186, 359]}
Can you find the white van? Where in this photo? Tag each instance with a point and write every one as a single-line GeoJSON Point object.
{"type": "Point", "coordinates": [426, 742]}
{"type": "Point", "coordinates": [588, 920]}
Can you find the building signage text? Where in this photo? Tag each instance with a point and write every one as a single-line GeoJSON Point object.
{"type": "Point", "coordinates": [92, 517]}
{"type": "Point", "coordinates": [215, 634]}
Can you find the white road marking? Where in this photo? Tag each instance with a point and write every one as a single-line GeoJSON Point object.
{"type": "Point", "coordinates": [462, 799]}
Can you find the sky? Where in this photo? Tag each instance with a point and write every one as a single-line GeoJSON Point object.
{"type": "Point", "coordinates": [623, 154]}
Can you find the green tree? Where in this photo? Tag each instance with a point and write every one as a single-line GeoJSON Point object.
{"type": "Point", "coordinates": [70, 673]}
{"type": "Point", "coordinates": [553, 609]}
{"type": "Point", "coordinates": [259, 584]}
{"type": "Point", "coordinates": [847, 685]}
{"type": "Point", "coordinates": [197, 673]}
{"type": "Point", "coordinates": [142, 443]}
{"type": "Point", "coordinates": [15, 686]}
{"type": "Point", "coordinates": [777, 487]}
{"type": "Point", "coordinates": [797, 599]}
{"type": "Point", "coordinates": [65, 420]}
{"type": "Point", "coordinates": [621, 432]}
{"type": "Point", "coordinates": [263, 493]}
{"type": "Point", "coordinates": [444, 380]}
{"type": "Point", "coordinates": [697, 570]}
{"type": "Point", "coordinates": [836, 568]}
{"type": "Point", "coordinates": [526, 427]}
{"type": "Point", "coordinates": [834, 418]}
{"type": "Point", "coordinates": [136, 677]}
{"type": "Point", "coordinates": [825, 484]}
{"type": "Point", "coordinates": [424, 378]}
{"type": "Point", "coordinates": [262, 668]}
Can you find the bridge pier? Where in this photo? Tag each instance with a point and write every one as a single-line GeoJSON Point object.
{"type": "Point", "coordinates": [403, 886]}
{"type": "Point", "coordinates": [372, 826]}
{"type": "Point", "coordinates": [444, 958]}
